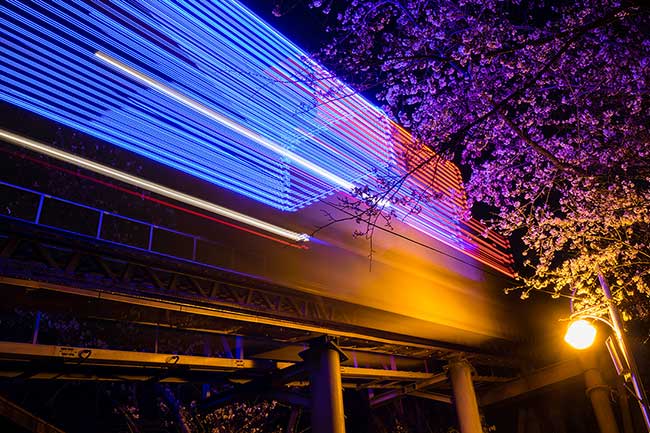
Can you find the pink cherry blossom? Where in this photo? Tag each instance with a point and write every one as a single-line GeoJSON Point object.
{"type": "Point", "coordinates": [546, 104]}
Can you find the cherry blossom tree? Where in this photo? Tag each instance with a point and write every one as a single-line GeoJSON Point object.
{"type": "Point", "coordinates": [547, 105]}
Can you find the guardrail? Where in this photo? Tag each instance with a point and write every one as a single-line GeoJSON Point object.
{"type": "Point", "coordinates": [45, 210]}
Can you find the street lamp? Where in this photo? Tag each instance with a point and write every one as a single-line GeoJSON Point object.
{"type": "Point", "coordinates": [581, 334]}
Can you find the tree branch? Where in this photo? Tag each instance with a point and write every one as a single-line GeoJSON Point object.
{"type": "Point", "coordinates": [538, 148]}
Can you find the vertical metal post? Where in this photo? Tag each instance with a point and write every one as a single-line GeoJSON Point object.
{"type": "Point", "coordinates": [99, 225]}
{"type": "Point", "coordinates": [150, 237]}
{"type": "Point", "coordinates": [207, 351]}
{"type": "Point", "coordinates": [239, 347]}
{"type": "Point", "coordinates": [37, 220]}
{"type": "Point", "coordinates": [155, 344]}
{"type": "Point", "coordinates": [294, 419]}
{"type": "Point", "coordinates": [226, 347]}
{"type": "Point", "coordinates": [37, 326]}
{"type": "Point", "coordinates": [460, 373]}
{"type": "Point", "coordinates": [323, 361]}
{"type": "Point", "coordinates": [634, 377]}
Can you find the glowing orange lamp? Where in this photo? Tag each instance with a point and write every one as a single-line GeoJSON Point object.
{"type": "Point", "coordinates": [580, 334]}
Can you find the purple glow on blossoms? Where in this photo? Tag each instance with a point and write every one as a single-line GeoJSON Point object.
{"type": "Point", "coordinates": [548, 106]}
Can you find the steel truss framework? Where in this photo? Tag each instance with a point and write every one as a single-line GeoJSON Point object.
{"type": "Point", "coordinates": [201, 278]}
{"type": "Point", "coordinates": [23, 361]}
{"type": "Point", "coordinates": [38, 361]}
{"type": "Point", "coordinates": [43, 267]}
{"type": "Point", "coordinates": [123, 286]}
{"type": "Point", "coordinates": [68, 264]}
{"type": "Point", "coordinates": [127, 274]}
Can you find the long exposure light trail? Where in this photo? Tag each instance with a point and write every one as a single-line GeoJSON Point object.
{"type": "Point", "coordinates": [211, 90]}
{"type": "Point", "coordinates": [178, 96]}
{"type": "Point", "coordinates": [149, 186]}
{"type": "Point", "coordinates": [154, 199]}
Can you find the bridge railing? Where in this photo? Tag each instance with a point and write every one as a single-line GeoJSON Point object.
{"type": "Point", "coordinates": [45, 210]}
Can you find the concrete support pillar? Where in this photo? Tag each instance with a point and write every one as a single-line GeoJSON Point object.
{"type": "Point", "coordinates": [323, 361]}
{"type": "Point", "coordinates": [599, 394]}
{"type": "Point", "coordinates": [460, 373]}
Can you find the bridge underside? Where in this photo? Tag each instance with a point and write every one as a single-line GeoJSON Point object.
{"type": "Point", "coordinates": [241, 329]}
{"type": "Point", "coordinates": [45, 270]}
{"type": "Point", "coordinates": [149, 317]}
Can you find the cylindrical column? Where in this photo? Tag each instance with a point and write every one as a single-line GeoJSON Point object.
{"type": "Point", "coordinates": [460, 373]}
{"type": "Point", "coordinates": [323, 361]}
{"type": "Point", "coordinates": [598, 393]}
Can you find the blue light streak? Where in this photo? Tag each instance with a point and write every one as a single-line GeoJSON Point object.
{"type": "Point", "coordinates": [237, 94]}
{"type": "Point", "coordinates": [224, 98]}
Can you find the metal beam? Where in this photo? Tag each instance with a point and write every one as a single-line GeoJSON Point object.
{"type": "Point", "coordinates": [110, 358]}
{"type": "Point", "coordinates": [418, 386]}
{"type": "Point", "coordinates": [50, 359]}
{"type": "Point", "coordinates": [189, 308]}
{"type": "Point", "coordinates": [25, 419]}
{"type": "Point", "coordinates": [292, 398]}
{"type": "Point", "coordinates": [536, 380]}
{"type": "Point", "coordinates": [198, 290]}
{"type": "Point", "coordinates": [260, 386]}
{"type": "Point", "coordinates": [376, 373]}
{"type": "Point", "coordinates": [443, 398]}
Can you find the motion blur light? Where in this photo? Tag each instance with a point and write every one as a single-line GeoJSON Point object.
{"type": "Point", "coordinates": [147, 185]}
{"type": "Point", "coordinates": [225, 121]}
{"type": "Point", "coordinates": [209, 89]}
{"type": "Point", "coordinates": [580, 334]}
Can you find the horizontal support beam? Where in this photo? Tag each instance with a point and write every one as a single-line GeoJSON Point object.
{"type": "Point", "coordinates": [222, 313]}
{"type": "Point", "coordinates": [531, 382]}
{"type": "Point", "coordinates": [443, 398]}
{"type": "Point", "coordinates": [112, 358]}
{"type": "Point", "coordinates": [291, 398]}
{"type": "Point", "coordinates": [24, 418]}
{"type": "Point", "coordinates": [386, 397]}
{"type": "Point", "coordinates": [219, 295]}
{"type": "Point", "coordinates": [50, 359]}
{"type": "Point", "coordinates": [376, 373]}
{"type": "Point", "coordinates": [92, 377]}
{"type": "Point", "coordinates": [352, 385]}
{"type": "Point", "coordinates": [416, 387]}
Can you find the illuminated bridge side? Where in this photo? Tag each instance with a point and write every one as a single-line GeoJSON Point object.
{"type": "Point", "coordinates": [213, 91]}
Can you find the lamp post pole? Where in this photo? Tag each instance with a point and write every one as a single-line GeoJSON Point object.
{"type": "Point", "coordinates": [637, 385]}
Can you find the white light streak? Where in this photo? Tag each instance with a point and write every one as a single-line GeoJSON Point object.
{"type": "Point", "coordinates": [150, 186]}
{"type": "Point", "coordinates": [227, 122]}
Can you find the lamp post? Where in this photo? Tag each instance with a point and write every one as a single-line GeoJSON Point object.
{"type": "Point", "coordinates": [581, 334]}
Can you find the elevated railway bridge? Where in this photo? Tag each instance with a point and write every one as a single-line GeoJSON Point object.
{"type": "Point", "coordinates": [254, 330]}
{"type": "Point", "coordinates": [210, 160]}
